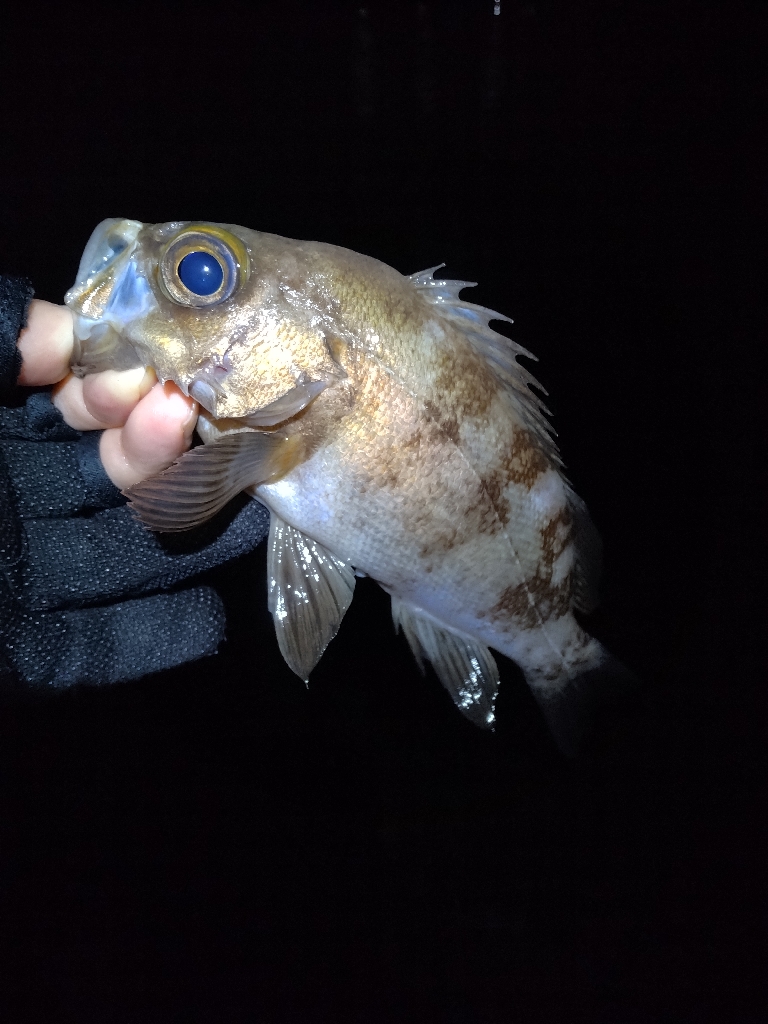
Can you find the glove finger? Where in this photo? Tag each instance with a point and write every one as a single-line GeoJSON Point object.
{"type": "Point", "coordinates": [56, 479]}
{"type": "Point", "coordinates": [110, 555]}
{"type": "Point", "coordinates": [11, 537]}
{"type": "Point", "coordinates": [117, 642]}
{"type": "Point", "coordinates": [37, 420]}
{"type": "Point", "coordinates": [62, 479]}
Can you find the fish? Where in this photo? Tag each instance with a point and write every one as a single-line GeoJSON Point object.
{"type": "Point", "coordinates": [390, 432]}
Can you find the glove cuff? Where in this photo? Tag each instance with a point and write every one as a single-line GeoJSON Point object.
{"type": "Point", "coordinates": [15, 295]}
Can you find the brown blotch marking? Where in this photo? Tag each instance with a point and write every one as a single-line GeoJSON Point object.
{"type": "Point", "coordinates": [495, 485]}
{"type": "Point", "coordinates": [464, 388]}
{"type": "Point", "coordinates": [448, 423]}
{"type": "Point", "coordinates": [521, 464]}
{"type": "Point", "coordinates": [387, 475]}
{"type": "Point", "coordinates": [465, 383]}
{"type": "Point", "coordinates": [515, 604]}
{"type": "Point", "coordinates": [548, 601]}
{"type": "Point", "coordinates": [551, 601]}
{"type": "Point", "coordinates": [479, 516]}
{"type": "Point", "coordinates": [441, 542]}
{"type": "Point", "coordinates": [524, 461]}
{"type": "Point", "coordinates": [553, 546]}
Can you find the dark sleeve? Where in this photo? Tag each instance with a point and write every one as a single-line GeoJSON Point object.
{"type": "Point", "coordinates": [15, 295]}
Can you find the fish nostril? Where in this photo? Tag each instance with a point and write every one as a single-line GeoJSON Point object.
{"type": "Point", "coordinates": [106, 243]}
{"type": "Point", "coordinates": [116, 243]}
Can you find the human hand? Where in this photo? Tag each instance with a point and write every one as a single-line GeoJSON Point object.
{"type": "Point", "coordinates": [147, 425]}
{"type": "Point", "coordinates": [87, 594]}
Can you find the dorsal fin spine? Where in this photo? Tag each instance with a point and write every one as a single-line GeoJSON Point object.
{"type": "Point", "coordinates": [500, 353]}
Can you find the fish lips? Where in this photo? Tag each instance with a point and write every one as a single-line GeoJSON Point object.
{"type": "Point", "coordinates": [110, 291]}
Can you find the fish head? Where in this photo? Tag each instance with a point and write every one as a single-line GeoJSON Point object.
{"type": "Point", "coordinates": [221, 310]}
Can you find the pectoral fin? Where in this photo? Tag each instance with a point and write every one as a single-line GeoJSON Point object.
{"type": "Point", "coordinates": [464, 666]}
{"type": "Point", "coordinates": [309, 592]}
{"type": "Point", "coordinates": [204, 479]}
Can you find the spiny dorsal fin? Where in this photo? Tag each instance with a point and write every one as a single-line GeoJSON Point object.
{"type": "Point", "coordinates": [309, 592]}
{"type": "Point", "coordinates": [500, 353]}
{"type": "Point", "coordinates": [203, 480]}
{"type": "Point", "coordinates": [464, 666]}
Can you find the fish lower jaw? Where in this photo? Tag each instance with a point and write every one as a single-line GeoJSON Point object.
{"type": "Point", "coordinates": [98, 346]}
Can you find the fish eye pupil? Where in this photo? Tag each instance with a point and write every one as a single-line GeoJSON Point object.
{"type": "Point", "coordinates": [201, 273]}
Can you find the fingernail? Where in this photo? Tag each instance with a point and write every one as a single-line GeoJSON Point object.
{"type": "Point", "coordinates": [189, 423]}
{"type": "Point", "coordinates": [178, 404]}
{"type": "Point", "coordinates": [147, 382]}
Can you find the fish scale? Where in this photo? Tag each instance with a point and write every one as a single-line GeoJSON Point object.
{"type": "Point", "coordinates": [388, 429]}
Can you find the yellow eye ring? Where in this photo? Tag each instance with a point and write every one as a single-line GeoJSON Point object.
{"type": "Point", "coordinates": [215, 264]}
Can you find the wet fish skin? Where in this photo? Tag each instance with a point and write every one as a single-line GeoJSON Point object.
{"type": "Point", "coordinates": [404, 443]}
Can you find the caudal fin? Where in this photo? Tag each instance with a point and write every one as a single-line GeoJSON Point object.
{"type": "Point", "coordinates": [572, 710]}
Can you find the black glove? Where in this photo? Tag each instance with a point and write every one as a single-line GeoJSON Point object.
{"type": "Point", "coordinates": [73, 561]}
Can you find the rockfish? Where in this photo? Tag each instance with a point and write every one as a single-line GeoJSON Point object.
{"type": "Point", "coordinates": [387, 428]}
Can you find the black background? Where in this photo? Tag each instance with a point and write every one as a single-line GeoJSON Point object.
{"type": "Point", "coordinates": [219, 844]}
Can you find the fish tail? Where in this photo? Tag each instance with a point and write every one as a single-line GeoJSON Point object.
{"type": "Point", "coordinates": [572, 704]}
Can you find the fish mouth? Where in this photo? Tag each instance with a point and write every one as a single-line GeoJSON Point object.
{"type": "Point", "coordinates": [110, 291]}
{"type": "Point", "coordinates": [98, 346]}
{"type": "Point", "coordinates": [108, 240]}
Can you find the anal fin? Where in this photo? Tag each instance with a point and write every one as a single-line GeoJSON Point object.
{"type": "Point", "coordinates": [203, 480]}
{"type": "Point", "coordinates": [309, 593]}
{"type": "Point", "coordinates": [464, 666]}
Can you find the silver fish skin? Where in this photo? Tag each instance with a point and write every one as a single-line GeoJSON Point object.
{"type": "Point", "coordinates": [388, 429]}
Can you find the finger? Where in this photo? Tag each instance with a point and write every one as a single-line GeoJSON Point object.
{"type": "Point", "coordinates": [111, 396]}
{"type": "Point", "coordinates": [123, 641]}
{"type": "Point", "coordinates": [102, 399]}
{"type": "Point", "coordinates": [68, 399]}
{"type": "Point", "coordinates": [72, 561]}
{"type": "Point", "coordinates": [45, 344]}
{"type": "Point", "coordinates": [155, 434]}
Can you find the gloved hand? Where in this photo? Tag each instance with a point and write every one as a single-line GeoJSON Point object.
{"type": "Point", "coordinates": [87, 594]}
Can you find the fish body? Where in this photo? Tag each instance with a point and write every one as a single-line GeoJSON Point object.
{"type": "Point", "coordinates": [388, 429]}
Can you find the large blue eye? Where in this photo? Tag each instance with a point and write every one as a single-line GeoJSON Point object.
{"type": "Point", "coordinates": [203, 266]}
{"type": "Point", "coordinates": [201, 273]}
